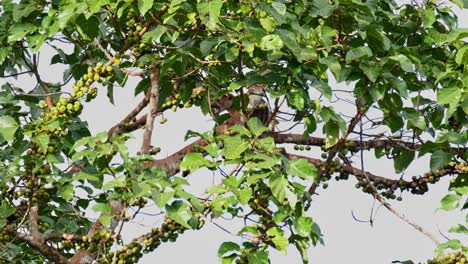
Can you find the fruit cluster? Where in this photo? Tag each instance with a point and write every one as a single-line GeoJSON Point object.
{"type": "Point", "coordinates": [451, 258]}
{"type": "Point", "coordinates": [131, 253]}
{"type": "Point", "coordinates": [176, 102]}
{"type": "Point", "coordinates": [299, 147]}
{"type": "Point", "coordinates": [101, 240]}
{"type": "Point", "coordinates": [134, 27]}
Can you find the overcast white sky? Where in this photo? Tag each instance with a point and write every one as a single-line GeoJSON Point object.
{"type": "Point", "coordinates": [346, 241]}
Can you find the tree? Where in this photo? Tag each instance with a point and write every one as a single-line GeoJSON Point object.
{"type": "Point", "coordinates": [258, 69]}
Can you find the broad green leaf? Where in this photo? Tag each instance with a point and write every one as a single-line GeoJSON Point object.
{"type": "Point", "coordinates": [42, 140]}
{"type": "Point", "coordinates": [154, 35]}
{"type": "Point", "coordinates": [228, 247]}
{"type": "Point", "coordinates": [144, 6]}
{"type": "Point", "coordinates": [234, 147]}
{"type": "Point", "coordinates": [358, 53]}
{"type": "Point", "coordinates": [271, 42]}
{"type": "Point", "coordinates": [402, 160]}
{"type": "Point", "coordinates": [105, 219]}
{"type": "Point", "coordinates": [256, 126]}
{"type": "Point", "coordinates": [404, 62]}
{"type": "Point", "coordinates": [88, 28]}
{"type": "Point", "coordinates": [66, 191]}
{"type": "Point", "coordinates": [303, 226]}
{"type": "Point", "coordinates": [448, 95]}
{"type": "Point", "coordinates": [459, 229]}
{"type": "Point", "coordinates": [180, 212]}
{"type": "Point", "coordinates": [260, 257]}
{"type": "Point", "coordinates": [440, 159]}
{"type": "Point", "coordinates": [95, 5]}
{"type": "Point", "coordinates": [8, 127]}
{"type": "Point", "coordinates": [6, 210]}
{"type": "Point", "coordinates": [301, 168]}
{"type": "Point", "coordinates": [414, 118]}
{"type": "Point", "coordinates": [450, 202]}
{"type": "Point", "coordinates": [322, 8]}
{"type": "Point", "coordinates": [19, 30]}
{"type": "Point", "coordinates": [211, 10]}
{"type": "Point", "coordinates": [244, 195]}
{"type": "Point", "coordinates": [194, 161]}
{"type": "Point", "coordinates": [462, 55]}
{"type": "Point", "coordinates": [161, 198]}
{"type": "Point", "coordinates": [282, 190]}
{"type": "Point", "coordinates": [297, 99]}
{"type": "Point", "coordinates": [279, 7]}
{"type": "Point", "coordinates": [102, 207]}
{"type": "Point", "coordinates": [428, 18]}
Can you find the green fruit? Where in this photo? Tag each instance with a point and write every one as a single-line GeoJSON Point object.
{"type": "Point", "coordinates": [96, 77]}
{"type": "Point", "coordinates": [163, 120]}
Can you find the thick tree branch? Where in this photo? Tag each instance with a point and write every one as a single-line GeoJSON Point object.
{"type": "Point", "coordinates": [37, 241]}
{"type": "Point", "coordinates": [354, 145]}
{"type": "Point", "coordinates": [152, 110]}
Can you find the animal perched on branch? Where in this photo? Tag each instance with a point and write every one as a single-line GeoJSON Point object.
{"type": "Point", "coordinates": [257, 107]}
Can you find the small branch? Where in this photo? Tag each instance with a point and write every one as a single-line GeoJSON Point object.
{"type": "Point", "coordinates": [43, 85]}
{"type": "Point", "coordinates": [379, 198]}
{"type": "Point", "coordinates": [338, 146]}
{"type": "Point", "coordinates": [152, 110]}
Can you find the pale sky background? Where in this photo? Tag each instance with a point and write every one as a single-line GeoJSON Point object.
{"type": "Point", "coordinates": [346, 241]}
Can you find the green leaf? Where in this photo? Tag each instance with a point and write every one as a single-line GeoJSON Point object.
{"type": "Point", "coordinates": [210, 9]}
{"type": "Point", "coordinates": [322, 8]}
{"type": "Point", "coordinates": [282, 190]}
{"type": "Point", "coordinates": [279, 7]}
{"type": "Point", "coordinates": [303, 226]}
{"type": "Point", "coordinates": [154, 35]}
{"type": "Point", "coordinates": [428, 18]}
{"type": "Point", "coordinates": [450, 202]}
{"type": "Point", "coordinates": [459, 229]}
{"type": "Point", "coordinates": [439, 159]}
{"type": "Point", "coordinates": [414, 118]}
{"type": "Point", "coordinates": [8, 127]}
{"type": "Point", "coordinates": [227, 248]}
{"type": "Point", "coordinates": [301, 168]}
{"type": "Point", "coordinates": [194, 161]}
{"type": "Point", "coordinates": [256, 126]}
{"type": "Point", "coordinates": [19, 30]}
{"type": "Point", "coordinates": [357, 53]}
{"type": "Point", "coordinates": [42, 140]}
{"type": "Point", "coordinates": [234, 147]}
{"type": "Point", "coordinates": [180, 212]}
{"type": "Point", "coordinates": [258, 257]}
{"type": "Point", "coordinates": [88, 28]}
{"type": "Point", "coordinates": [462, 55]}
{"type": "Point", "coordinates": [402, 160]}
{"type": "Point", "coordinates": [161, 198]}
{"type": "Point", "coordinates": [95, 5]}
{"type": "Point", "coordinates": [106, 220]}
{"type": "Point", "coordinates": [271, 42]}
{"type": "Point", "coordinates": [449, 95]}
{"type": "Point", "coordinates": [244, 195]}
{"type": "Point", "coordinates": [6, 210]}
{"type": "Point", "coordinates": [66, 191]}
{"type": "Point", "coordinates": [102, 207]}
{"type": "Point", "coordinates": [454, 244]}
{"type": "Point", "coordinates": [297, 98]}
{"type": "Point", "coordinates": [144, 6]}
{"type": "Point", "coordinates": [404, 62]}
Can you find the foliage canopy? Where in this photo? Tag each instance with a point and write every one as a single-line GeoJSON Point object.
{"type": "Point", "coordinates": [258, 68]}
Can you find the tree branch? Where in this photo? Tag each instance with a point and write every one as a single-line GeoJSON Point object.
{"type": "Point", "coordinates": [152, 110]}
